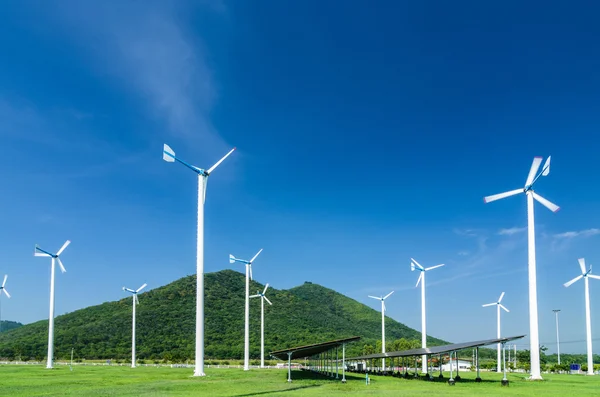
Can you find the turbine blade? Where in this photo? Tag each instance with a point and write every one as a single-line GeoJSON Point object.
{"type": "Point", "coordinates": [267, 299]}
{"type": "Point", "coordinates": [65, 245]}
{"type": "Point", "coordinates": [572, 281]}
{"type": "Point", "coordinates": [546, 168]}
{"type": "Point", "coordinates": [415, 263]}
{"type": "Point", "coordinates": [265, 290]}
{"type": "Point", "coordinates": [254, 257]}
{"type": "Point", "coordinates": [419, 280]}
{"type": "Point", "coordinates": [168, 153]}
{"type": "Point", "coordinates": [387, 296]}
{"type": "Point", "coordinates": [40, 252]}
{"type": "Point", "coordinates": [231, 258]}
{"type": "Point", "coordinates": [502, 306]}
{"type": "Point", "coordinates": [211, 169]}
{"type": "Point", "coordinates": [250, 270]}
{"type": "Point", "coordinates": [434, 267]}
{"type": "Point", "coordinates": [551, 206]}
{"type": "Point", "coordinates": [535, 166]}
{"type": "Point", "coordinates": [255, 296]}
{"type": "Point", "coordinates": [6, 292]}
{"type": "Point", "coordinates": [137, 301]}
{"type": "Point", "coordinates": [501, 296]}
{"type": "Point", "coordinates": [129, 290]}
{"type": "Point", "coordinates": [4, 282]}
{"type": "Point", "coordinates": [141, 288]}
{"type": "Point", "coordinates": [374, 297]}
{"type": "Point", "coordinates": [582, 265]}
{"type": "Point", "coordinates": [60, 264]}
{"type": "Point", "coordinates": [593, 276]}
{"type": "Point", "coordinates": [494, 197]}
{"type": "Point", "coordinates": [489, 304]}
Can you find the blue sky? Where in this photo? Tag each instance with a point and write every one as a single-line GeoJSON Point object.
{"type": "Point", "coordinates": [366, 136]}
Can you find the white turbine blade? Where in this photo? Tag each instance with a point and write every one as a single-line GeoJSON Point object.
{"type": "Point", "coordinates": [255, 296]}
{"type": "Point", "coordinates": [494, 197]}
{"type": "Point", "coordinates": [535, 166]}
{"type": "Point", "coordinates": [254, 257]}
{"type": "Point", "coordinates": [6, 292]}
{"type": "Point", "coordinates": [502, 306]}
{"type": "Point", "coordinates": [551, 206]}
{"type": "Point", "coordinates": [434, 267]}
{"type": "Point", "coordinates": [250, 270]}
{"type": "Point", "coordinates": [40, 252]}
{"type": "Point", "coordinates": [65, 245]}
{"type": "Point", "coordinates": [374, 297]}
{"type": "Point", "coordinates": [572, 281]}
{"type": "Point", "coordinates": [387, 296]}
{"type": "Point", "coordinates": [211, 169]}
{"type": "Point", "coordinates": [4, 282]}
{"type": "Point", "coordinates": [267, 299]}
{"type": "Point", "coordinates": [581, 265]}
{"type": "Point", "coordinates": [593, 276]}
{"type": "Point", "coordinates": [546, 168]}
{"type": "Point", "coordinates": [168, 153]}
{"type": "Point", "coordinates": [265, 290]}
{"type": "Point", "coordinates": [419, 280]}
{"type": "Point", "coordinates": [231, 258]}
{"type": "Point", "coordinates": [137, 301]}
{"type": "Point", "coordinates": [60, 264]}
{"type": "Point", "coordinates": [415, 263]}
{"type": "Point", "coordinates": [501, 296]}
{"type": "Point", "coordinates": [141, 288]}
{"type": "Point", "coordinates": [128, 290]}
{"type": "Point", "coordinates": [489, 304]}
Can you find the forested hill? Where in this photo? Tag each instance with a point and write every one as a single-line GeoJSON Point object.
{"type": "Point", "coordinates": [165, 327]}
{"type": "Point", "coordinates": [8, 325]}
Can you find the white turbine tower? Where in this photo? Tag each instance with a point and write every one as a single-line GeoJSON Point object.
{"type": "Point", "coordinates": [3, 289]}
{"type": "Point", "coordinates": [248, 264]}
{"type": "Point", "coordinates": [498, 305]}
{"type": "Point", "coordinates": [534, 339]}
{"type": "Point", "coordinates": [55, 258]}
{"type": "Point", "coordinates": [414, 265]}
{"type": "Point", "coordinates": [588, 322]}
{"type": "Point", "coordinates": [262, 322]}
{"type": "Point", "coordinates": [135, 302]}
{"type": "Point", "coordinates": [169, 156]}
{"type": "Point", "coordinates": [383, 309]}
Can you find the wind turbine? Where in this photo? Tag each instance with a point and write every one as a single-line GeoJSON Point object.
{"type": "Point", "coordinates": [588, 322]}
{"type": "Point", "coordinates": [534, 339]}
{"type": "Point", "coordinates": [414, 265]}
{"type": "Point", "coordinates": [3, 289]}
{"type": "Point", "coordinates": [382, 299]}
{"type": "Point", "coordinates": [169, 156]}
{"type": "Point", "coordinates": [55, 258]}
{"type": "Point", "coordinates": [262, 322]}
{"type": "Point", "coordinates": [248, 264]}
{"type": "Point", "coordinates": [135, 302]}
{"type": "Point", "coordinates": [498, 305]}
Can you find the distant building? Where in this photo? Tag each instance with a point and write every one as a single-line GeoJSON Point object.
{"type": "Point", "coordinates": [462, 366]}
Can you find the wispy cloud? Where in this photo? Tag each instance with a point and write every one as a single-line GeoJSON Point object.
{"type": "Point", "coordinates": [580, 233]}
{"type": "Point", "coordinates": [466, 232]}
{"type": "Point", "coordinates": [511, 231]}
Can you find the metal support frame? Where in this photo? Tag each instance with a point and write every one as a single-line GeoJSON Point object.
{"type": "Point", "coordinates": [504, 380]}
{"type": "Point", "coordinates": [478, 378]}
{"type": "Point", "coordinates": [440, 363]}
{"type": "Point", "coordinates": [337, 361]}
{"type": "Point", "coordinates": [457, 378]}
{"type": "Point", "coordinates": [289, 367]}
{"type": "Point", "coordinates": [451, 380]}
{"type": "Point", "coordinates": [343, 363]}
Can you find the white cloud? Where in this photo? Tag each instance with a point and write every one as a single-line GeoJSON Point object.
{"type": "Point", "coordinates": [463, 253]}
{"type": "Point", "coordinates": [580, 233]}
{"type": "Point", "coordinates": [511, 231]}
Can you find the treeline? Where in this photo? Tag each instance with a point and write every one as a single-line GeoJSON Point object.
{"type": "Point", "coordinates": [8, 325]}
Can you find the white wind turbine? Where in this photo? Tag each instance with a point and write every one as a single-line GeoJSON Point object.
{"type": "Point", "coordinates": [262, 322]}
{"type": "Point", "coordinates": [534, 339]}
{"type": "Point", "coordinates": [414, 265]}
{"type": "Point", "coordinates": [3, 289]}
{"type": "Point", "coordinates": [498, 305]}
{"type": "Point", "coordinates": [169, 156]}
{"type": "Point", "coordinates": [135, 302]}
{"type": "Point", "coordinates": [55, 258]}
{"type": "Point", "coordinates": [382, 299]}
{"type": "Point", "coordinates": [588, 322]}
{"type": "Point", "coordinates": [248, 264]}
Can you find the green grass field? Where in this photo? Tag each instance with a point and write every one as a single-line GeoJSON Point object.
{"type": "Point", "coordinates": [90, 381]}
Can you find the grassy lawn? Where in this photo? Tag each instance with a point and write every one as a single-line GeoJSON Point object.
{"type": "Point", "coordinates": [32, 381]}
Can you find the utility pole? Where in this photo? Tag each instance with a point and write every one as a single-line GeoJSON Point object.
{"type": "Point", "coordinates": [557, 339]}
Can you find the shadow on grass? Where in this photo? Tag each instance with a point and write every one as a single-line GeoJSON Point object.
{"type": "Point", "coordinates": [260, 393]}
{"type": "Point", "coordinates": [436, 379]}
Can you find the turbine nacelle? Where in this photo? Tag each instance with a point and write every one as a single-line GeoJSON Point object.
{"type": "Point", "coordinates": [262, 294]}
{"type": "Point", "coordinates": [584, 273]}
{"type": "Point", "coordinates": [169, 156]}
{"type": "Point", "coordinates": [55, 257]}
{"type": "Point", "coordinates": [135, 292]}
{"type": "Point", "coordinates": [3, 288]}
{"type": "Point", "coordinates": [414, 265]}
{"type": "Point", "coordinates": [233, 259]}
{"type": "Point", "coordinates": [497, 303]}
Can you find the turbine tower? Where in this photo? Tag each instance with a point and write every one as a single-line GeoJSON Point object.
{"type": "Point", "coordinates": [534, 339]}
{"type": "Point", "coordinates": [3, 289]}
{"type": "Point", "coordinates": [588, 322]}
{"type": "Point", "coordinates": [557, 338]}
{"type": "Point", "coordinates": [169, 156]}
{"type": "Point", "coordinates": [262, 322]}
{"type": "Point", "coordinates": [135, 302]}
{"type": "Point", "coordinates": [382, 299]}
{"type": "Point", "coordinates": [498, 305]}
{"type": "Point", "coordinates": [248, 264]}
{"type": "Point", "coordinates": [55, 258]}
{"type": "Point", "coordinates": [414, 265]}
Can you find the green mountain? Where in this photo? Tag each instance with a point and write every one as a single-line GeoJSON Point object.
{"type": "Point", "coordinates": [8, 325]}
{"type": "Point", "coordinates": [165, 327]}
